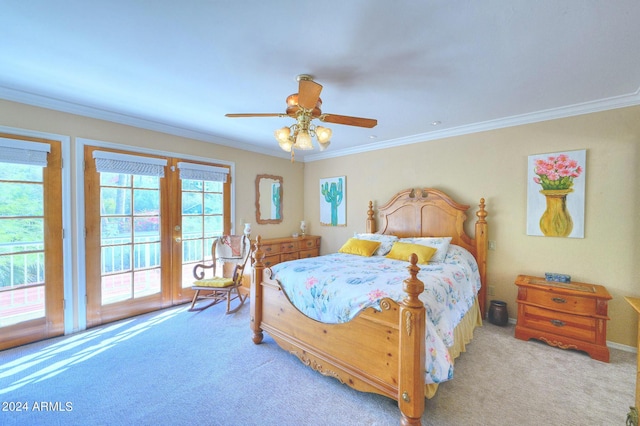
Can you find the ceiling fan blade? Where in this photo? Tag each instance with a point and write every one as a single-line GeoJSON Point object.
{"type": "Point", "coordinates": [308, 93]}
{"type": "Point", "coordinates": [349, 121]}
{"type": "Point", "coordinates": [275, 114]}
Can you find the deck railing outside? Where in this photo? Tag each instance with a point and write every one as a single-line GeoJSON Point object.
{"type": "Point", "coordinates": [22, 279]}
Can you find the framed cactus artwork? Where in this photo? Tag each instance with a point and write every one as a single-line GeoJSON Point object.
{"type": "Point", "coordinates": [555, 194]}
{"type": "Point", "coordinates": [333, 201]}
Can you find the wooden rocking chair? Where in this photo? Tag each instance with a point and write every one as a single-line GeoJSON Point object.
{"type": "Point", "coordinates": [218, 289]}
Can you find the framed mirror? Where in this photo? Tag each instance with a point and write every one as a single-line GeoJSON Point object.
{"type": "Point", "coordinates": [268, 199]}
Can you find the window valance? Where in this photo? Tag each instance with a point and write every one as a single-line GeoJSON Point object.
{"type": "Point", "coordinates": [202, 172]}
{"type": "Point", "coordinates": [113, 162]}
{"type": "Point", "coordinates": [24, 152]}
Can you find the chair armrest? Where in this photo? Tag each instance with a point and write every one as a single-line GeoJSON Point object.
{"type": "Point", "coordinates": [199, 269]}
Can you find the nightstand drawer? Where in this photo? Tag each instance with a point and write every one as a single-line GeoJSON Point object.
{"type": "Point", "coordinates": [561, 302]}
{"type": "Point", "coordinates": [574, 326]}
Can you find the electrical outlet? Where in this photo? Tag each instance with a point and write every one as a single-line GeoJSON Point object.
{"type": "Point", "coordinates": [491, 290]}
{"type": "Point", "coordinates": [492, 245]}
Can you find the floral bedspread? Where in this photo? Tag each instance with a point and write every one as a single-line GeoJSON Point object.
{"type": "Point", "coordinates": [334, 288]}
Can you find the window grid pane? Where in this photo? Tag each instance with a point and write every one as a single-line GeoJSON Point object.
{"type": "Point", "coordinates": [130, 236]}
{"type": "Point", "coordinates": [22, 255]}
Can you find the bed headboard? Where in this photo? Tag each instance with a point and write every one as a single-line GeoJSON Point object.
{"type": "Point", "coordinates": [429, 212]}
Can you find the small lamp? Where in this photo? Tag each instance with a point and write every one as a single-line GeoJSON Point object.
{"type": "Point", "coordinates": [282, 136]}
{"type": "Point", "coordinates": [303, 140]}
{"type": "Point", "coordinates": [323, 134]}
{"type": "Point", "coordinates": [303, 227]}
{"type": "Point", "coordinates": [247, 230]}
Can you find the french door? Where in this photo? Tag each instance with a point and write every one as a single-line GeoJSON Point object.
{"type": "Point", "coordinates": [149, 219]}
{"type": "Point", "coordinates": [31, 240]}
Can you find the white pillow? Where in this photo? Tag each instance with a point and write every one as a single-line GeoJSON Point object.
{"type": "Point", "coordinates": [441, 244]}
{"type": "Point", "coordinates": [386, 242]}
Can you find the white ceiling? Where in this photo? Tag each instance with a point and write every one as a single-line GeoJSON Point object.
{"type": "Point", "coordinates": [178, 67]}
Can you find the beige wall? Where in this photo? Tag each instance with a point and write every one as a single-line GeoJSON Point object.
{"type": "Point", "coordinates": [493, 165]}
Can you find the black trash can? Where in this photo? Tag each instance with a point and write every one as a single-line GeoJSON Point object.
{"type": "Point", "coordinates": [498, 313]}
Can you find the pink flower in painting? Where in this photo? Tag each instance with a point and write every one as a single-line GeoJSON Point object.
{"type": "Point", "coordinates": [556, 172]}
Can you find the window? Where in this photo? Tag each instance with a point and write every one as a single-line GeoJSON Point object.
{"type": "Point", "coordinates": [149, 220]}
{"type": "Point", "coordinates": [31, 271]}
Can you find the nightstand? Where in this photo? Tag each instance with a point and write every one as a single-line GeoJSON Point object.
{"type": "Point", "coordinates": [566, 315]}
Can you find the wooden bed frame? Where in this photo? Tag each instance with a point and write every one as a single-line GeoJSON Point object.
{"type": "Point", "coordinates": [380, 351]}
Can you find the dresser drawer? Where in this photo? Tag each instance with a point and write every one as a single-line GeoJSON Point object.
{"type": "Point", "coordinates": [289, 247]}
{"type": "Point", "coordinates": [278, 250]}
{"type": "Point", "coordinates": [271, 260]}
{"type": "Point", "coordinates": [308, 243]}
{"type": "Point", "coordinates": [270, 249]}
{"type": "Point", "coordinates": [289, 256]}
{"type": "Point", "coordinates": [569, 325]}
{"type": "Point", "coordinates": [309, 253]}
{"type": "Point", "coordinates": [561, 302]}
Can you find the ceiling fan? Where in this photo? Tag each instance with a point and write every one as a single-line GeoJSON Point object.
{"type": "Point", "coordinates": [304, 107]}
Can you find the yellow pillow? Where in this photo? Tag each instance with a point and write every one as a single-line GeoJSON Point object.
{"type": "Point", "coordinates": [359, 247]}
{"type": "Point", "coordinates": [402, 251]}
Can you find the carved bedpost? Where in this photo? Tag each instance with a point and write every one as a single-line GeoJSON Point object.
{"type": "Point", "coordinates": [482, 244]}
{"type": "Point", "coordinates": [371, 222]}
{"type": "Point", "coordinates": [411, 354]}
{"type": "Point", "coordinates": [256, 291]}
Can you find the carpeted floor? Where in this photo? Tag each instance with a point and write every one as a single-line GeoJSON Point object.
{"type": "Point", "coordinates": [175, 367]}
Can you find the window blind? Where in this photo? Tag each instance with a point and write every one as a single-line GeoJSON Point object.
{"type": "Point", "coordinates": [23, 152]}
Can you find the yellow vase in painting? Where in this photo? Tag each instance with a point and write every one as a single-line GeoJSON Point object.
{"type": "Point", "coordinates": [556, 220]}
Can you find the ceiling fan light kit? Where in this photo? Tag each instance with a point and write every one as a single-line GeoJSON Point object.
{"type": "Point", "coordinates": [304, 107]}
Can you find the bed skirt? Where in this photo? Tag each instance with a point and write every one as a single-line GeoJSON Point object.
{"type": "Point", "coordinates": [462, 335]}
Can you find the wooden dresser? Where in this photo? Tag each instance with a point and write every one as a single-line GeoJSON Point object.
{"type": "Point", "coordinates": [278, 250]}
{"type": "Point", "coordinates": [566, 315]}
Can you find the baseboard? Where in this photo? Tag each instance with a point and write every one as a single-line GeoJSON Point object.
{"type": "Point", "coordinates": [625, 348]}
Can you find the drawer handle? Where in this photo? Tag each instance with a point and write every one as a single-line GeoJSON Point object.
{"type": "Point", "coordinates": [267, 249]}
{"type": "Point", "coordinates": [559, 300]}
{"type": "Point", "coordinates": [557, 323]}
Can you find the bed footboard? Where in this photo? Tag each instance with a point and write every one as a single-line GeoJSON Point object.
{"type": "Point", "coordinates": [380, 351]}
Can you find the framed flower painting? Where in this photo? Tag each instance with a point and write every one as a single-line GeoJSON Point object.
{"type": "Point", "coordinates": [555, 194]}
{"type": "Point", "coordinates": [333, 201]}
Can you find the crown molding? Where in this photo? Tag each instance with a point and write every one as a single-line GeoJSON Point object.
{"type": "Point", "coordinates": [128, 120]}
{"type": "Point", "coordinates": [631, 99]}
{"type": "Point", "coordinates": [622, 101]}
